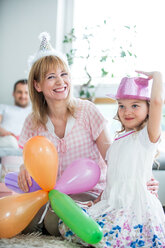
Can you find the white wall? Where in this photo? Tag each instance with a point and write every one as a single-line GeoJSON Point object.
{"type": "Point", "coordinates": [21, 22]}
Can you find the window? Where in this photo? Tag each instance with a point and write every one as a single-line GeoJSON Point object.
{"type": "Point", "coordinates": [145, 20]}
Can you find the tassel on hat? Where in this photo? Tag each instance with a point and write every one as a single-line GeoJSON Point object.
{"type": "Point", "coordinates": [45, 49]}
{"type": "Point", "coordinates": [45, 44]}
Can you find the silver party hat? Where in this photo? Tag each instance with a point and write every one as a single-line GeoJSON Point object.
{"type": "Point", "coordinates": [45, 49]}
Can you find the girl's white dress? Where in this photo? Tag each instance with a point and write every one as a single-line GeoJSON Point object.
{"type": "Point", "coordinates": [129, 215]}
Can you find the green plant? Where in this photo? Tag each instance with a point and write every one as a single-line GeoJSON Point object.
{"type": "Point", "coordinates": [71, 38]}
{"type": "Point", "coordinates": [104, 57]}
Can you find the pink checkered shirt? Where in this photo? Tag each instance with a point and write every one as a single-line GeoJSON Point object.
{"type": "Point", "coordinates": [78, 143]}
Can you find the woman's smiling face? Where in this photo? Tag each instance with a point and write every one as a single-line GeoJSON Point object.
{"type": "Point", "coordinates": [56, 84]}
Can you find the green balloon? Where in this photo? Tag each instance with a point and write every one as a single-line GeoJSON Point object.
{"type": "Point", "coordinates": [75, 218]}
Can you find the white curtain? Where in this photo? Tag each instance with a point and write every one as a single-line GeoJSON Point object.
{"type": "Point", "coordinates": [65, 9]}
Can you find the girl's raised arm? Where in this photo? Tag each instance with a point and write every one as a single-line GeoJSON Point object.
{"type": "Point", "coordinates": [156, 105]}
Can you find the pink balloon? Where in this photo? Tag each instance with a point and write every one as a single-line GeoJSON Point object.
{"type": "Point", "coordinates": [80, 176]}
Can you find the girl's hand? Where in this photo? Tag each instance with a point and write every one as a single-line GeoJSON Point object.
{"type": "Point", "coordinates": [153, 186]}
{"type": "Point", "coordinates": [24, 179]}
{"type": "Point", "coordinates": [148, 74]}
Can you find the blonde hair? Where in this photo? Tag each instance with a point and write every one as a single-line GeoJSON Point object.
{"type": "Point", "coordinates": [37, 73]}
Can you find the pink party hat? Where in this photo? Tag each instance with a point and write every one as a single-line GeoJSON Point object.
{"type": "Point", "coordinates": [133, 88]}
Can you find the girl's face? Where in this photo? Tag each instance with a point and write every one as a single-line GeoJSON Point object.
{"type": "Point", "coordinates": [55, 86]}
{"type": "Point", "coordinates": [132, 112]}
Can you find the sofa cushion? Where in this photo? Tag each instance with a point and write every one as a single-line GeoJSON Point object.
{"type": "Point", "coordinates": [161, 162]}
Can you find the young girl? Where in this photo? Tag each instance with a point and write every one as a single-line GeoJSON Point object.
{"type": "Point", "coordinates": [129, 215]}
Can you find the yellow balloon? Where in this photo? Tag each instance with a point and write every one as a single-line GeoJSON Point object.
{"type": "Point", "coordinates": [41, 160]}
{"type": "Point", "coordinates": [16, 211]}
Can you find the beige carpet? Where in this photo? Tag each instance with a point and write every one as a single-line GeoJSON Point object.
{"type": "Point", "coordinates": [36, 240]}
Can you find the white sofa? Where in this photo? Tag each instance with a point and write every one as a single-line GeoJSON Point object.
{"type": "Point", "coordinates": [159, 174]}
{"type": "Point", "coordinates": [15, 155]}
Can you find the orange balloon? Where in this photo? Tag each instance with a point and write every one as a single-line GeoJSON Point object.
{"type": "Point", "coordinates": [16, 211]}
{"type": "Point", "coordinates": [41, 160]}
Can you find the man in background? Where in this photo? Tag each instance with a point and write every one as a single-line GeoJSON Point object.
{"type": "Point", "coordinates": [12, 118]}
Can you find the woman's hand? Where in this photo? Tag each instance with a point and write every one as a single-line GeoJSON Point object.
{"type": "Point", "coordinates": [153, 186]}
{"type": "Point", "coordinates": [24, 179]}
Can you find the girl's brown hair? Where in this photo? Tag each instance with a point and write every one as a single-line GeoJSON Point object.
{"type": "Point", "coordinates": [37, 73]}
